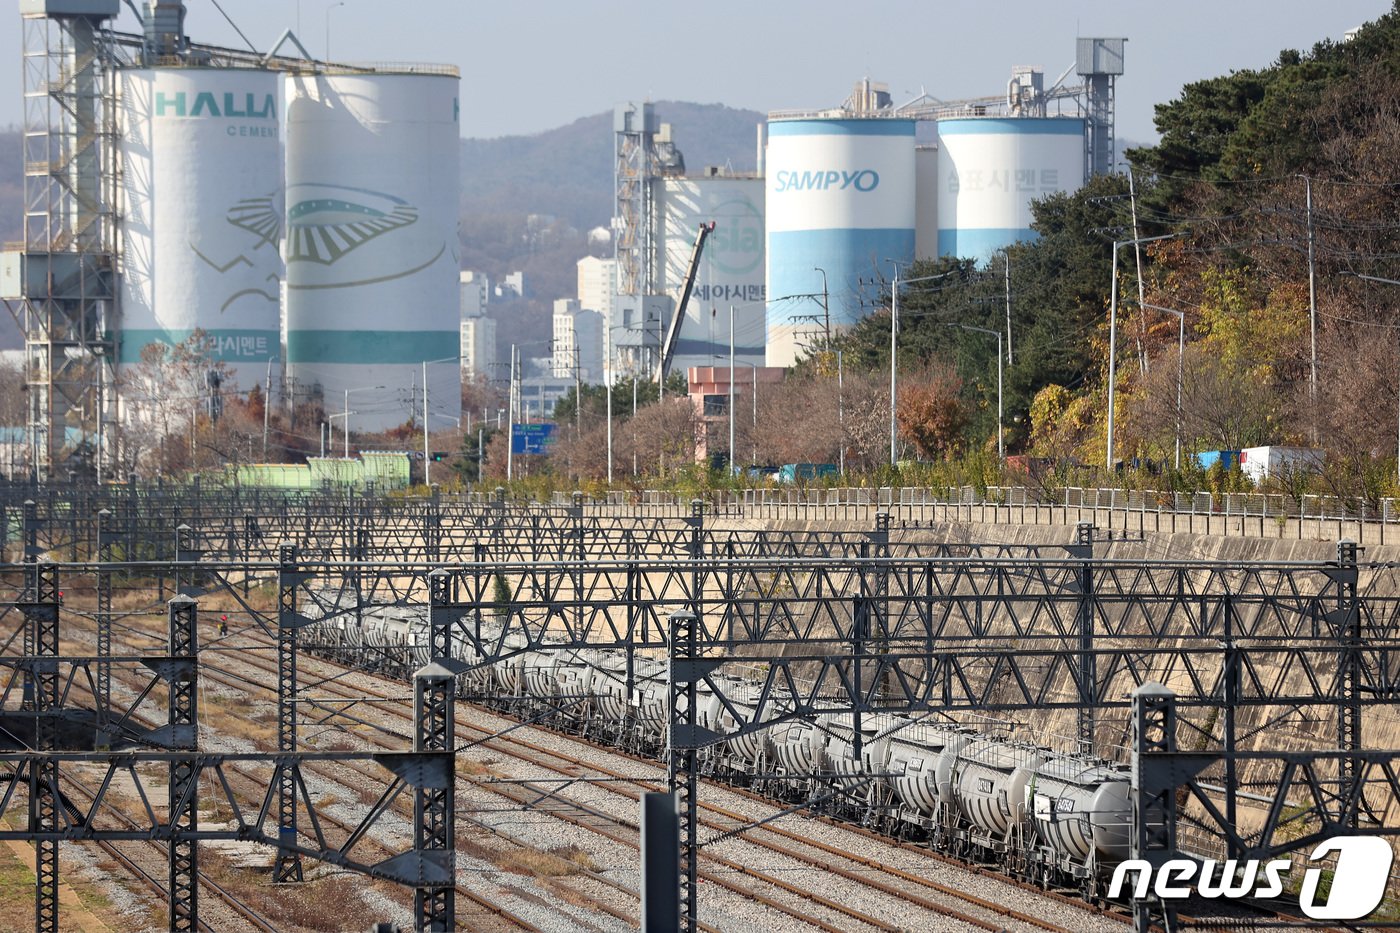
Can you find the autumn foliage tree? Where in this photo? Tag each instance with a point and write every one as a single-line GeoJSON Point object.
{"type": "Point", "coordinates": [931, 414]}
{"type": "Point", "coordinates": [165, 398]}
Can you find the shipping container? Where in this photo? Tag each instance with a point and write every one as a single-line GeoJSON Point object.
{"type": "Point", "coordinates": [1229, 459]}
{"type": "Point", "coordinates": [1259, 463]}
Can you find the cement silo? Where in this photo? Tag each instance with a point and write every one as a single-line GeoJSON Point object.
{"type": "Point", "coordinates": [989, 171]}
{"type": "Point", "coordinates": [839, 198]}
{"type": "Point", "coordinates": [731, 268]}
{"type": "Point", "coordinates": [371, 246]}
{"type": "Point", "coordinates": [201, 217]}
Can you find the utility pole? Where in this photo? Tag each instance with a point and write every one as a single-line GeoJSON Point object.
{"type": "Point", "coordinates": [730, 406]}
{"type": "Point", "coordinates": [1113, 335]}
{"type": "Point", "coordinates": [1007, 254]}
{"type": "Point", "coordinates": [510, 419]}
{"type": "Point", "coordinates": [826, 306]}
{"type": "Point", "coordinates": [1142, 296]}
{"type": "Point", "coordinates": [427, 454]}
{"type": "Point", "coordinates": [841, 414]}
{"type": "Point", "coordinates": [267, 406]}
{"type": "Point", "coordinates": [1312, 312]}
{"type": "Point", "coordinates": [894, 348]}
{"type": "Point", "coordinates": [894, 342]}
{"type": "Point", "coordinates": [660, 379]}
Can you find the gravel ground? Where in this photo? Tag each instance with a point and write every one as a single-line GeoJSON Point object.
{"type": "Point", "coordinates": [858, 845]}
{"type": "Point", "coordinates": [725, 909]}
{"type": "Point", "coordinates": [570, 902]}
{"type": "Point", "coordinates": [131, 903]}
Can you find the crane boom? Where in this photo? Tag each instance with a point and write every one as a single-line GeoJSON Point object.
{"type": "Point", "coordinates": [673, 333]}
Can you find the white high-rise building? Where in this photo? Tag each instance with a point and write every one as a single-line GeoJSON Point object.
{"type": "Point", "coordinates": [478, 343]}
{"type": "Point", "coordinates": [580, 330]}
{"type": "Point", "coordinates": [478, 348]}
{"type": "Point", "coordinates": [475, 291]}
{"type": "Point", "coordinates": [561, 362]}
{"type": "Point", "coordinates": [597, 283]}
{"type": "Point", "coordinates": [512, 286]}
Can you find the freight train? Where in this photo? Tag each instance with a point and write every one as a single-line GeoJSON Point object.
{"type": "Point", "coordinates": [1060, 820]}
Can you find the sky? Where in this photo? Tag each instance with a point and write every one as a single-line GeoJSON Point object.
{"type": "Point", "coordinates": [532, 65]}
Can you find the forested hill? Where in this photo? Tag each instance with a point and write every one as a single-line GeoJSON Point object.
{"type": "Point", "coordinates": [568, 172]}
{"type": "Point", "coordinates": [564, 178]}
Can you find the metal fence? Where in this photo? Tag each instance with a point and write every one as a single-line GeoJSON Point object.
{"type": "Point", "coordinates": [1255, 515]}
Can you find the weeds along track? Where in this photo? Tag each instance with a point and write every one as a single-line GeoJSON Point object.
{"type": "Point", "coordinates": [148, 861]}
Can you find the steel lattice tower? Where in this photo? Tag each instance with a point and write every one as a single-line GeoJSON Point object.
{"type": "Point", "coordinates": [66, 271]}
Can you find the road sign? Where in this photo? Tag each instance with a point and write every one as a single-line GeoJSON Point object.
{"type": "Point", "coordinates": [531, 438]}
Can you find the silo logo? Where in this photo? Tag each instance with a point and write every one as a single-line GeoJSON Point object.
{"type": "Point", "coordinates": [325, 223]}
{"type": "Point", "coordinates": [1358, 882]}
{"type": "Point", "coordinates": [738, 238]}
{"type": "Point", "coordinates": [208, 105]}
{"type": "Point", "coordinates": [333, 220]}
{"type": "Point", "coordinates": [262, 218]}
{"type": "Point", "coordinates": [860, 180]}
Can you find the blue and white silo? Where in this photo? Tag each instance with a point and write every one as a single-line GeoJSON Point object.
{"type": "Point", "coordinates": [990, 169]}
{"type": "Point", "coordinates": [839, 197]}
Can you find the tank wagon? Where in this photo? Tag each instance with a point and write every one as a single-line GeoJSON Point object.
{"type": "Point", "coordinates": [1060, 820]}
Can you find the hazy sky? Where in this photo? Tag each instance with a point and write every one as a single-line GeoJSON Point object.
{"type": "Point", "coordinates": [530, 66]}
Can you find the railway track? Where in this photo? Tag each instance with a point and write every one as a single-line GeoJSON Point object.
{"type": "Point", "coordinates": [257, 783]}
{"type": "Point", "coordinates": [618, 831]}
{"type": "Point", "coordinates": [906, 890]}
{"type": "Point", "coordinates": [893, 881]}
{"type": "Point", "coordinates": [247, 916]}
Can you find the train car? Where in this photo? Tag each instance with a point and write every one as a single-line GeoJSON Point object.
{"type": "Point", "coordinates": [862, 776]}
{"type": "Point", "coordinates": [508, 673]}
{"type": "Point", "coordinates": [1062, 820]}
{"type": "Point", "coordinates": [924, 794]}
{"type": "Point", "coordinates": [799, 750]}
{"type": "Point", "coordinates": [1082, 811]}
{"type": "Point", "coordinates": [988, 778]}
{"type": "Point", "coordinates": [743, 755]}
{"type": "Point", "coordinates": [609, 685]}
{"type": "Point", "coordinates": [650, 705]}
{"type": "Point", "coordinates": [574, 677]}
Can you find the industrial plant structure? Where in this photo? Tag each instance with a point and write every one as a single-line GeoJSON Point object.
{"type": "Point", "coordinates": [200, 213]}
{"type": "Point", "coordinates": [840, 196]}
{"type": "Point", "coordinates": [290, 211]}
{"type": "Point", "coordinates": [372, 255]}
{"type": "Point", "coordinates": [731, 268]}
{"type": "Point", "coordinates": [851, 194]}
{"type": "Point", "coordinates": [856, 192]}
{"type": "Point", "coordinates": [301, 216]}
